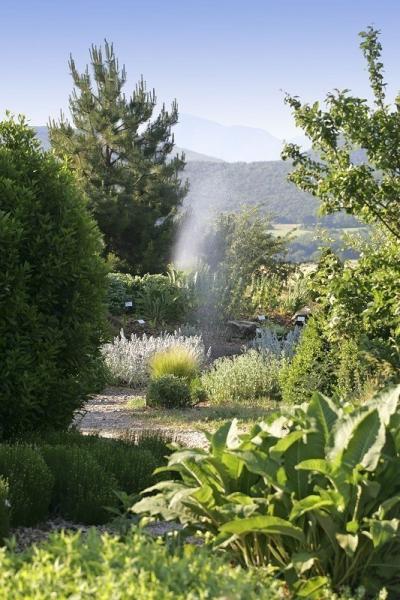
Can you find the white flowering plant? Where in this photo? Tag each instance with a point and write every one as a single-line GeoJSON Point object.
{"type": "Point", "coordinates": [127, 359]}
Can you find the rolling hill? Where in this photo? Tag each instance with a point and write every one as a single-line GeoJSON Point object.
{"type": "Point", "coordinates": [217, 185]}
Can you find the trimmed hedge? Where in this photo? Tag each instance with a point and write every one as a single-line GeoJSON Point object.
{"type": "Point", "coordinates": [74, 476]}
{"type": "Point", "coordinates": [30, 483]}
{"type": "Point", "coordinates": [52, 288]}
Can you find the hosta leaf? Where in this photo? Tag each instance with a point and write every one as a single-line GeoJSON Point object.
{"type": "Point", "coordinates": [263, 524]}
{"type": "Point", "coordinates": [348, 542]}
{"type": "Point", "coordinates": [312, 502]}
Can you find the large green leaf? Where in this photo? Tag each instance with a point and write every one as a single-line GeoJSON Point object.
{"type": "Point", "coordinates": [310, 588]}
{"type": "Point", "coordinates": [383, 532]}
{"type": "Point", "coordinates": [366, 443]}
{"type": "Point", "coordinates": [386, 403]}
{"type": "Point", "coordinates": [324, 411]}
{"type": "Point", "coordinates": [263, 524]}
{"type": "Point", "coordinates": [348, 542]}
{"type": "Point", "coordinates": [226, 436]}
{"type": "Point", "coordinates": [312, 502]}
{"type": "Point", "coordinates": [284, 443]}
{"type": "Point", "coordinates": [358, 440]}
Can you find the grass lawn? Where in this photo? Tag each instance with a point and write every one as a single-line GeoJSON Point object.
{"type": "Point", "coordinates": [203, 416]}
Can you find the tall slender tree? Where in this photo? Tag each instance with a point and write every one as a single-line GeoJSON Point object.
{"type": "Point", "coordinates": [121, 154]}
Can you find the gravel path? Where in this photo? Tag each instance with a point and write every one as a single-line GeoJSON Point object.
{"type": "Point", "coordinates": [109, 415]}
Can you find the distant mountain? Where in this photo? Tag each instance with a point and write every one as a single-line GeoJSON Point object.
{"type": "Point", "coordinates": [191, 156]}
{"type": "Point", "coordinates": [216, 185]}
{"type": "Point", "coordinates": [232, 144]}
{"type": "Point", "coordinates": [226, 186]}
{"type": "Point", "coordinates": [42, 134]}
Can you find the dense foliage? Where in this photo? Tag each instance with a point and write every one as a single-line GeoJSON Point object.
{"type": "Point", "coordinates": [314, 493]}
{"type": "Point", "coordinates": [238, 249]}
{"type": "Point", "coordinates": [158, 299]}
{"type": "Point", "coordinates": [73, 476]}
{"type": "Point", "coordinates": [29, 483]}
{"type": "Point", "coordinates": [51, 288]}
{"type": "Point", "coordinates": [103, 567]}
{"type": "Point", "coordinates": [123, 161]}
{"type": "Point", "coordinates": [360, 302]}
{"type": "Point", "coordinates": [368, 189]}
{"type": "Point", "coordinates": [243, 378]}
{"type": "Point", "coordinates": [168, 391]}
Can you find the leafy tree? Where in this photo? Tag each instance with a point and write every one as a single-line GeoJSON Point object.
{"type": "Point", "coordinates": [366, 187]}
{"type": "Point", "coordinates": [238, 247]}
{"type": "Point", "coordinates": [122, 159]}
{"type": "Point", "coordinates": [355, 166]}
{"type": "Point", "coordinates": [52, 286]}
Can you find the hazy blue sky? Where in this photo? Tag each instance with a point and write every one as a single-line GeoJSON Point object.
{"type": "Point", "coordinates": [225, 60]}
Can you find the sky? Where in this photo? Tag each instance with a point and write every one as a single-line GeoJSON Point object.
{"type": "Point", "coordinates": [229, 61]}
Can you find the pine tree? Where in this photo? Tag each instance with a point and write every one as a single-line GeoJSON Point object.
{"type": "Point", "coordinates": [121, 154]}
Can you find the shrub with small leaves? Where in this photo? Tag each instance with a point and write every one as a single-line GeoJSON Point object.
{"type": "Point", "coordinates": [312, 367]}
{"type": "Point", "coordinates": [168, 391]}
{"type": "Point", "coordinates": [119, 290]}
{"type": "Point", "coordinates": [4, 508]}
{"type": "Point", "coordinates": [30, 483]}
{"type": "Point", "coordinates": [242, 378]}
{"type": "Point", "coordinates": [83, 487]}
{"type": "Point", "coordinates": [52, 282]}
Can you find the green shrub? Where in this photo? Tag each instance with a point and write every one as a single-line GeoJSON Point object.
{"type": "Point", "coordinates": [132, 467]}
{"type": "Point", "coordinates": [119, 290]}
{"type": "Point", "coordinates": [83, 488]}
{"type": "Point", "coordinates": [177, 360]}
{"type": "Point", "coordinates": [52, 283]}
{"type": "Point", "coordinates": [30, 483]}
{"type": "Point", "coordinates": [104, 567]}
{"type": "Point", "coordinates": [351, 369]}
{"type": "Point", "coordinates": [314, 493]}
{"type": "Point", "coordinates": [242, 378]}
{"type": "Point", "coordinates": [4, 508]}
{"type": "Point", "coordinates": [159, 299]}
{"type": "Point", "coordinates": [168, 391]}
{"type": "Point", "coordinates": [312, 367]}
{"type": "Point", "coordinates": [197, 391]}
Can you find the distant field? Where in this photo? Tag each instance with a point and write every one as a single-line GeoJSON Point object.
{"type": "Point", "coordinates": [285, 228]}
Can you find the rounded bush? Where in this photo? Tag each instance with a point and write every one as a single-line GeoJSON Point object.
{"type": "Point", "coordinates": [83, 488]}
{"type": "Point", "coordinates": [52, 288]}
{"type": "Point", "coordinates": [242, 378]}
{"type": "Point", "coordinates": [119, 289]}
{"type": "Point", "coordinates": [168, 391]}
{"type": "Point", "coordinates": [177, 360]}
{"type": "Point", "coordinates": [30, 483]}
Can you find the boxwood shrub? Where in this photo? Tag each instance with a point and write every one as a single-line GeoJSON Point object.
{"type": "Point", "coordinates": [52, 282]}
{"type": "Point", "coordinates": [30, 483]}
